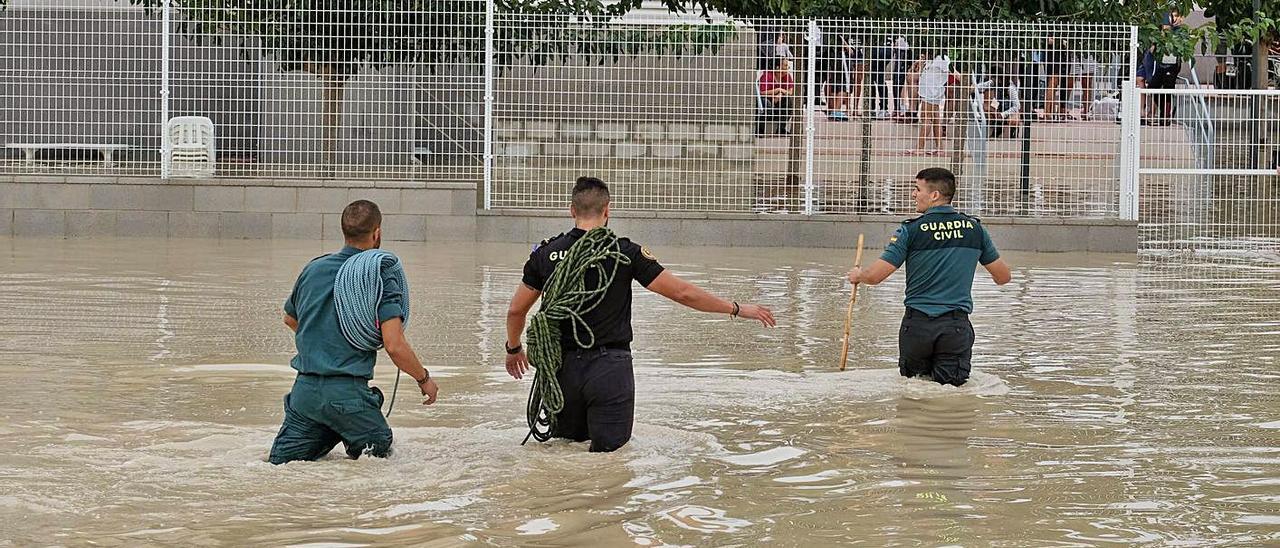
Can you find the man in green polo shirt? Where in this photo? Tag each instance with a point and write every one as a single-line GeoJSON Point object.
{"type": "Point", "coordinates": [331, 400]}
{"type": "Point", "coordinates": [941, 249]}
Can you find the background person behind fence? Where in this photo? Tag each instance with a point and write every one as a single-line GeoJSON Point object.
{"type": "Point", "coordinates": [1002, 103]}
{"type": "Point", "coordinates": [879, 92]}
{"type": "Point", "coordinates": [932, 92]}
{"type": "Point", "coordinates": [910, 92]}
{"type": "Point", "coordinates": [777, 87]}
{"type": "Point", "coordinates": [1057, 64]}
{"type": "Point", "coordinates": [832, 77]}
{"type": "Point", "coordinates": [1142, 78]}
{"type": "Point", "coordinates": [857, 70]}
{"type": "Point", "coordinates": [901, 63]}
{"type": "Point", "coordinates": [770, 46]}
{"type": "Point", "coordinates": [1167, 67]}
{"type": "Point", "coordinates": [1083, 70]}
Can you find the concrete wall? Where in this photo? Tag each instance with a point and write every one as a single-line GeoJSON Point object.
{"type": "Point", "coordinates": [78, 207]}
{"type": "Point", "coordinates": [74, 207]}
{"type": "Point", "coordinates": [708, 87]}
{"type": "Point", "coordinates": [831, 231]}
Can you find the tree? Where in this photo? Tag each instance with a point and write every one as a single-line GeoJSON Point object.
{"type": "Point", "coordinates": [1234, 24]}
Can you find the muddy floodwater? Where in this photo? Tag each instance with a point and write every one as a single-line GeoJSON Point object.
{"type": "Point", "coordinates": [1113, 401]}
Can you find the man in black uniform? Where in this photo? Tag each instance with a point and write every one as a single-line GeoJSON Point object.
{"type": "Point", "coordinates": [941, 248]}
{"type": "Point", "coordinates": [597, 382]}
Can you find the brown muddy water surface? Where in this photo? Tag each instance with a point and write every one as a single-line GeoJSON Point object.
{"type": "Point", "coordinates": [1113, 402]}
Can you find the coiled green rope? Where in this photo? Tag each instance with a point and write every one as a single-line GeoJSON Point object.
{"type": "Point", "coordinates": [566, 297]}
{"type": "Point", "coordinates": [357, 292]}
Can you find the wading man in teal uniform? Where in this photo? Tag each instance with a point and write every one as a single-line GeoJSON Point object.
{"type": "Point", "coordinates": [941, 249]}
{"type": "Point", "coordinates": [331, 400]}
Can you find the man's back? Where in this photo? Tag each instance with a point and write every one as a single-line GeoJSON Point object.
{"type": "Point", "coordinates": [941, 249]}
{"type": "Point", "coordinates": [322, 349]}
{"type": "Point", "coordinates": [611, 320]}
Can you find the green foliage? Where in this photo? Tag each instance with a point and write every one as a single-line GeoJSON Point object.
{"type": "Point", "coordinates": [1083, 11]}
{"type": "Point", "coordinates": [598, 42]}
{"type": "Point", "coordinates": [337, 37]}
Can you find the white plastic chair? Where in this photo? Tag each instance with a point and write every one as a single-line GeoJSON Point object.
{"type": "Point", "coordinates": [192, 152]}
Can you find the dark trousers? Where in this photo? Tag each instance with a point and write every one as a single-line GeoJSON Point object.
{"type": "Point", "coordinates": [898, 82]}
{"type": "Point", "coordinates": [940, 347]}
{"type": "Point", "coordinates": [777, 116]}
{"type": "Point", "coordinates": [1165, 77]}
{"type": "Point", "coordinates": [599, 398]}
{"type": "Point", "coordinates": [321, 411]}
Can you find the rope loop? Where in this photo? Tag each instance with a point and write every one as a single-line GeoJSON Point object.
{"type": "Point", "coordinates": [566, 299]}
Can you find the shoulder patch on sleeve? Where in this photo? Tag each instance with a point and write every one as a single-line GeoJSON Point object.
{"type": "Point", "coordinates": [644, 250]}
{"type": "Point", "coordinates": [546, 241]}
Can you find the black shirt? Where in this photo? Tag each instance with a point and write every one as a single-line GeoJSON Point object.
{"type": "Point", "coordinates": [611, 321]}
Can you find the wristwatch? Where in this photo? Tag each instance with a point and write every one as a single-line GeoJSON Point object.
{"type": "Point", "coordinates": [513, 351]}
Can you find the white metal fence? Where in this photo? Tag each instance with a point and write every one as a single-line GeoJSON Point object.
{"type": "Point", "coordinates": [292, 92]}
{"type": "Point", "coordinates": [1027, 115]}
{"type": "Point", "coordinates": [688, 115]}
{"type": "Point", "coordinates": [1219, 198]}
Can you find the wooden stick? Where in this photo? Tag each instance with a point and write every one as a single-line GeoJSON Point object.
{"type": "Point", "coordinates": [848, 315]}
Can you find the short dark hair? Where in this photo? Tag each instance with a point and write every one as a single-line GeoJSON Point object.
{"type": "Point", "coordinates": [590, 195]}
{"type": "Point", "coordinates": [940, 179]}
{"type": "Point", "coordinates": [360, 219]}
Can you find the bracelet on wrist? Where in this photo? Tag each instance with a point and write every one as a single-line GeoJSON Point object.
{"type": "Point", "coordinates": [425, 377]}
{"type": "Point", "coordinates": [513, 350]}
{"type": "Point", "coordinates": [736, 310]}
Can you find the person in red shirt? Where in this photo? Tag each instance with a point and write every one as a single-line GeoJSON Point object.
{"type": "Point", "coordinates": [776, 89]}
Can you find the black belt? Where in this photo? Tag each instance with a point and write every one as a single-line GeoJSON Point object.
{"type": "Point", "coordinates": [317, 376]}
{"type": "Point", "coordinates": [954, 314]}
{"type": "Point", "coordinates": [606, 346]}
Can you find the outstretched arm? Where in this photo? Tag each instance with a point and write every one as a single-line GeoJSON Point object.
{"type": "Point", "coordinates": [672, 287]}
{"type": "Point", "coordinates": [521, 302]}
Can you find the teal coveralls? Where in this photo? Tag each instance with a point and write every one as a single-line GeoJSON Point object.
{"type": "Point", "coordinates": [331, 400]}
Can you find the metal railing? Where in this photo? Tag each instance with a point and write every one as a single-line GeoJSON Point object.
{"type": "Point", "coordinates": [1221, 198]}
{"type": "Point", "coordinates": [680, 114]}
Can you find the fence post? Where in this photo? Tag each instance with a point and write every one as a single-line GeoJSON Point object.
{"type": "Point", "coordinates": [486, 191]}
{"type": "Point", "coordinates": [811, 98]}
{"type": "Point", "coordinates": [1130, 138]}
{"type": "Point", "coordinates": [165, 145]}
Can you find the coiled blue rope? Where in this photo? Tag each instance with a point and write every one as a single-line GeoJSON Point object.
{"type": "Point", "coordinates": [357, 292]}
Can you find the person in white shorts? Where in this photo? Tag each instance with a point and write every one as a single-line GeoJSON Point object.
{"type": "Point", "coordinates": [933, 94]}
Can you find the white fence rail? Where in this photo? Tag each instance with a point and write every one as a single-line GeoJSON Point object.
{"type": "Point", "coordinates": [292, 92]}
{"type": "Point", "coordinates": [1218, 198]}
{"type": "Point", "coordinates": [821, 116]}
